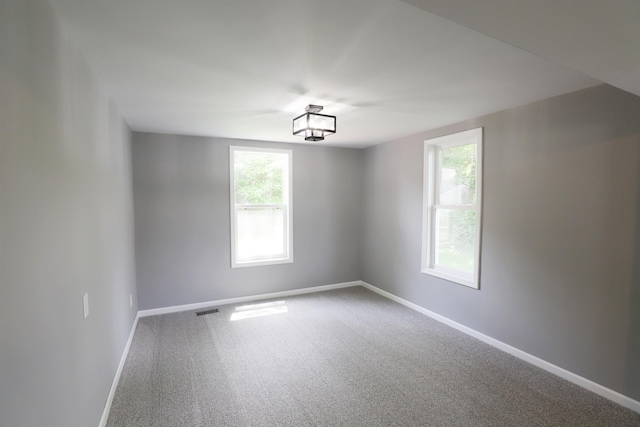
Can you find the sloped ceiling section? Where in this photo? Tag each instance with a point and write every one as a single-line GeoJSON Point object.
{"type": "Point", "coordinates": [598, 38]}
{"type": "Point", "coordinates": [246, 68]}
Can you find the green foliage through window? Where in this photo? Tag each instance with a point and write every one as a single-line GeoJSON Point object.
{"type": "Point", "coordinates": [458, 169]}
{"type": "Point", "coordinates": [452, 207]}
{"type": "Point", "coordinates": [259, 177]}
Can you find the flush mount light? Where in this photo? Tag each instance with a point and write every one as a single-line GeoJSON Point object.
{"type": "Point", "coordinates": [314, 126]}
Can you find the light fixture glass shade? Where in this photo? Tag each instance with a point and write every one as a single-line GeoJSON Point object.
{"type": "Point", "coordinates": [314, 126]}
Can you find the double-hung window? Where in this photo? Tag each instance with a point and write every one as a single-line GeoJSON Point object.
{"type": "Point", "coordinates": [261, 225]}
{"type": "Point", "coordinates": [452, 207]}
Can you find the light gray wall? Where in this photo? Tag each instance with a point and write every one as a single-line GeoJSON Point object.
{"type": "Point", "coordinates": [65, 227]}
{"type": "Point", "coordinates": [181, 203]}
{"type": "Point", "coordinates": [561, 239]}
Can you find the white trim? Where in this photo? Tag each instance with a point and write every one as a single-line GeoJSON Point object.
{"type": "Point", "coordinates": [116, 378]}
{"type": "Point", "coordinates": [257, 262]}
{"type": "Point", "coordinates": [431, 184]}
{"type": "Point", "coordinates": [601, 390]}
{"type": "Point", "coordinates": [287, 256]}
{"type": "Point", "coordinates": [196, 306]}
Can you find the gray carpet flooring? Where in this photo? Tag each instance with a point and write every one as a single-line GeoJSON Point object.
{"type": "Point", "coordinates": [346, 357]}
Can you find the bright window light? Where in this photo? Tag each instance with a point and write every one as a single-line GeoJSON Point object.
{"type": "Point", "coordinates": [452, 207]}
{"type": "Point", "coordinates": [261, 202]}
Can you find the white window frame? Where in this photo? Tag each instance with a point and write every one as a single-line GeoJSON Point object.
{"type": "Point", "coordinates": [287, 206]}
{"type": "Point", "coordinates": [431, 185]}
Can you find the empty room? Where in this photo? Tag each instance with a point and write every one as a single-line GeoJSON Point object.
{"type": "Point", "coordinates": [337, 213]}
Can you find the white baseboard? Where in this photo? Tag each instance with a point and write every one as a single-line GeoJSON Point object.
{"type": "Point", "coordinates": [603, 391]}
{"type": "Point", "coordinates": [116, 378]}
{"type": "Point", "coordinates": [199, 305]}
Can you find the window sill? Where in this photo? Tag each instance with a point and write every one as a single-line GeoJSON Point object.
{"type": "Point", "coordinates": [259, 263]}
{"type": "Point", "coordinates": [452, 278]}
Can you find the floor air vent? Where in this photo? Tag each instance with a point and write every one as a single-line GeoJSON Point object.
{"type": "Point", "coordinates": [202, 313]}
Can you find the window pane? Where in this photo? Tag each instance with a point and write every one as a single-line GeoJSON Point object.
{"type": "Point", "coordinates": [259, 177]}
{"type": "Point", "coordinates": [260, 233]}
{"type": "Point", "coordinates": [457, 175]}
{"type": "Point", "coordinates": [455, 239]}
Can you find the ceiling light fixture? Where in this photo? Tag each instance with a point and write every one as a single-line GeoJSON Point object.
{"type": "Point", "coordinates": [314, 126]}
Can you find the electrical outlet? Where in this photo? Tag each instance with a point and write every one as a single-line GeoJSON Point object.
{"type": "Point", "coordinates": [130, 300]}
{"type": "Point", "coordinates": [85, 305]}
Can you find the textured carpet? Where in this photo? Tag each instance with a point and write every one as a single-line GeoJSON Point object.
{"type": "Point", "coordinates": [339, 358]}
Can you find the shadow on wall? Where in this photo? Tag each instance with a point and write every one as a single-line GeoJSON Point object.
{"type": "Point", "coordinates": [632, 372]}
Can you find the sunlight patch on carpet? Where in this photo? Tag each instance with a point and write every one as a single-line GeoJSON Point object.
{"type": "Point", "coordinates": [257, 310]}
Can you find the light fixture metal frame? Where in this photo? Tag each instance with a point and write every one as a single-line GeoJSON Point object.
{"type": "Point", "coordinates": [313, 133]}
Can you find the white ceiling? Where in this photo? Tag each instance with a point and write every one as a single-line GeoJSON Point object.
{"type": "Point", "coordinates": [232, 68]}
{"type": "Point", "coordinates": [600, 38]}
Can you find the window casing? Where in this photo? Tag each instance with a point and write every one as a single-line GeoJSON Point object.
{"type": "Point", "coordinates": [452, 207]}
{"type": "Point", "coordinates": [261, 202]}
